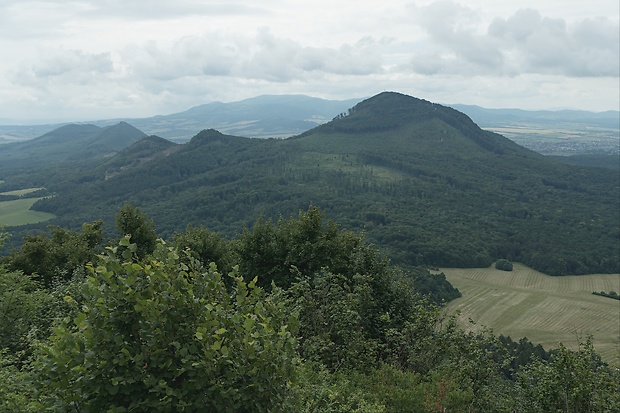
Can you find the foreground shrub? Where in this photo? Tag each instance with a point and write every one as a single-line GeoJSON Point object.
{"type": "Point", "coordinates": [159, 335]}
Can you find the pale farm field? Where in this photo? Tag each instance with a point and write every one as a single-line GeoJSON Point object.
{"type": "Point", "coordinates": [547, 310]}
{"type": "Point", "coordinates": [20, 192]}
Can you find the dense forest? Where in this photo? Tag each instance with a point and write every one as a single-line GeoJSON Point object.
{"type": "Point", "coordinates": [422, 181]}
{"type": "Point", "coordinates": [297, 314]}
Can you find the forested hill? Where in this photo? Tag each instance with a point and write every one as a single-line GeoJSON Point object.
{"type": "Point", "coordinates": [421, 180]}
{"type": "Point", "coordinates": [391, 111]}
{"type": "Point", "coordinates": [73, 142]}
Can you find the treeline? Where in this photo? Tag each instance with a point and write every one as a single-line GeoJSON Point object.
{"type": "Point", "coordinates": [292, 315]}
{"type": "Point", "coordinates": [611, 294]}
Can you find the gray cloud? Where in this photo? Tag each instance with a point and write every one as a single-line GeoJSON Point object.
{"type": "Point", "coordinates": [165, 9]}
{"type": "Point", "coordinates": [136, 57]}
{"type": "Point", "coordinates": [524, 43]}
{"type": "Point", "coordinates": [281, 60]}
{"type": "Point", "coordinates": [188, 56]}
{"type": "Point", "coordinates": [32, 20]}
{"type": "Point", "coordinates": [263, 57]}
{"type": "Point", "coordinates": [70, 62]}
{"type": "Point", "coordinates": [140, 9]}
{"type": "Point", "coordinates": [68, 67]}
{"type": "Point", "coordinates": [544, 45]}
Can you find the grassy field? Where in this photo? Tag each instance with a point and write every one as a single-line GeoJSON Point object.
{"type": "Point", "coordinates": [17, 212]}
{"type": "Point", "coordinates": [547, 310]}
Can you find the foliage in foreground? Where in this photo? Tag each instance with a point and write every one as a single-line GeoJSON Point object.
{"type": "Point", "coordinates": [159, 335]}
{"type": "Point", "coordinates": [572, 381]}
{"type": "Point", "coordinates": [59, 256]}
{"type": "Point", "coordinates": [169, 332]}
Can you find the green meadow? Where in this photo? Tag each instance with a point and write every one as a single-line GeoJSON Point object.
{"type": "Point", "coordinates": [18, 212]}
{"type": "Point", "coordinates": [547, 310]}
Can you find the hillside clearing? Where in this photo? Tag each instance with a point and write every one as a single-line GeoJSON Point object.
{"type": "Point", "coordinates": [547, 310]}
{"type": "Point", "coordinates": [18, 212]}
{"type": "Point", "coordinates": [20, 192]}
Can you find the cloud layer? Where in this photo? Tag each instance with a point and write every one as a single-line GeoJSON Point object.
{"type": "Point", "coordinates": [524, 43]}
{"type": "Point", "coordinates": [120, 55]}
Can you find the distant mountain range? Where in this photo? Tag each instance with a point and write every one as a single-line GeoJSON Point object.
{"type": "Point", "coordinates": [69, 143]}
{"type": "Point", "coordinates": [287, 115]}
{"type": "Point", "coordinates": [422, 180]}
{"type": "Point", "coordinates": [260, 117]}
{"type": "Point", "coordinates": [491, 118]}
{"type": "Point", "coordinates": [280, 116]}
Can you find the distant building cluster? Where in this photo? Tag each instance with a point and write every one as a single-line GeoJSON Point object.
{"type": "Point", "coordinates": [547, 146]}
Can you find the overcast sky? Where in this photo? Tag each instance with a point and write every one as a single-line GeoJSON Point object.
{"type": "Point", "coordinates": [81, 60]}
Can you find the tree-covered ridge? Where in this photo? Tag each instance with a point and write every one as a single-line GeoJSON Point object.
{"type": "Point", "coordinates": [70, 143]}
{"type": "Point", "coordinates": [145, 150]}
{"type": "Point", "coordinates": [391, 111]}
{"type": "Point", "coordinates": [509, 195]}
{"type": "Point", "coordinates": [168, 330]}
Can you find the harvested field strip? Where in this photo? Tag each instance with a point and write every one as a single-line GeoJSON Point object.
{"type": "Point", "coordinates": [546, 310]}
{"type": "Point", "coordinates": [526, 301]}
{"type": "Point", "coordinates": [20, 192]}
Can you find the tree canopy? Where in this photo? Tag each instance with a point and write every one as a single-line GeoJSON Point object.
{"type": "Point", "coordinates": [333, 327]}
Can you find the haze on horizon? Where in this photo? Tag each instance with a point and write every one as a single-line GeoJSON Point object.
{"type": "Point", "coordinates": [87, 60]}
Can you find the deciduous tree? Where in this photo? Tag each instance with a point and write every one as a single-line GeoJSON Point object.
{"type": "Point", "coordinates": [161, 335]}
{"type": "Point", "coordinates": [130, 220]}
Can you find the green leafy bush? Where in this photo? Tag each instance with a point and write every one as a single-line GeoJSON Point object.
{"type": "Point", "coordinates": [161, 335]}
{"type": "Point", "coordinates": [58, 257]}
{"type": "Point", "coordinates": [571, 381]}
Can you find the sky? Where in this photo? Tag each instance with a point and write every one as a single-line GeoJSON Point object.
{"type": "Point", "coordinates": [76, 60]}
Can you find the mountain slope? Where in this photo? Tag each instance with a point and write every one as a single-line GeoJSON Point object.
{"type": "Point", "coordinates": [145, 150]}
{"type": "Point", "coordinates": [69, 143]}
{"type": "Point", "coordinates": [423, 127]}
{"type": "Point", "coordinates": [286, 115]}
{"type": "Point", "coordinates": [420, 179]}
{"type": "Point", "coordinates": [261, 116]}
